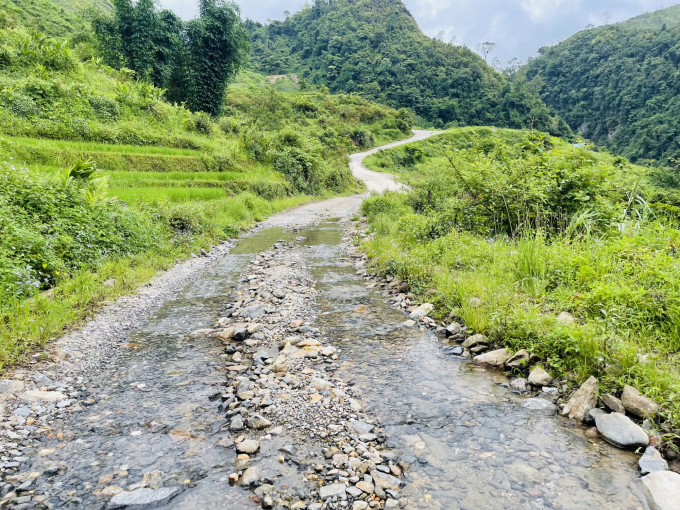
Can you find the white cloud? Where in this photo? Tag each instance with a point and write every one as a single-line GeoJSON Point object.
{"type": "Point", "coordinates": [542, 9]}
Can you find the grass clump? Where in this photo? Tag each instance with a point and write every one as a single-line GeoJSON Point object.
{"type": "Point", "coordinates": [505, 230]}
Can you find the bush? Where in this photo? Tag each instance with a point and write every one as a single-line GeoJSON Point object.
{"type": "Point", "coordinates": [23, 106]}
{"type": "Point", "coordinates": [300, 168]}
{"type": "Point", "coordinates": [104, 108]}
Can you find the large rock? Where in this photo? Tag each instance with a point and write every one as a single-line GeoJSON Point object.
{"type": "Point", "coordinates": [420, 312]}
{"type": "Point", "coordinates": [141, 499]}
{"type": "Point", "coordinates": [10, 386]}
{"type": "Point", "coordinates": [493, 358]}
{"type": "Point", "coordinates": [253, 312]}
{"type": "Point", "coordinates": [519, 359]}
{"type": "Point", "coordinates": [475, 340]}
{"type": "Point", "coordinates": [637, 404]}
{"type": "Point", "coordinates": [329, 491]}
{"type": "Point", "coordinates": [453, 329]}
{"type": "Point", "coordinates": [539, 377]}
{"type": "Point", "coordinates": [613, 404]}
{"type": "Point", "coordinates": [652, 461]}
{"type": "Point", "coordinates": [662, 490]}
{"type": "Point", "coordinates": [620, 431]}
{"type": "Point", "coordinates": [582, 401]}
{"type": "Point", "coordinates": [250, 477]}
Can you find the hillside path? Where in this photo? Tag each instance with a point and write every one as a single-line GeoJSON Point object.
{"type": "Point", "coordinates": [276, 373]}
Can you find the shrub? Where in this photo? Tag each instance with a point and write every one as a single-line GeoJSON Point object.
{"type": "Point", "coordinates": [300, 168]}
{"type": "Point", "coordinates": [104, 108]}
{"type": "Point", "coordinates": [23, 106]}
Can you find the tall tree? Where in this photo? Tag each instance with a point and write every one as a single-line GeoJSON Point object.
{"type": "Point", "coordinates": [218, 48]}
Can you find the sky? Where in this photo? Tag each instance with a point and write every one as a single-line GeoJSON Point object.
{"type": "Point", "coordinates": [518, 27]}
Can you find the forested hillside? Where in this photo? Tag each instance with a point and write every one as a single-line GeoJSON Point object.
{"type": "Point", "coordinates": [618, 84]}
{"type": "Point", "coordinates": [375, 48]}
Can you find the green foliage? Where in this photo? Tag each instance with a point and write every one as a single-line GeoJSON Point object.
{"type": "Point", "coordinates": [617, 84]}
{"type": "Point", "coordinates": [375, 48]}
{"type": "Point", "coordinates": [605, 256]}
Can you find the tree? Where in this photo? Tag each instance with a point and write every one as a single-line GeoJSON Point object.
{"type": "Point", "coordinates": [218, 48]}
{"type": "Point", "coordinates": [486, 48]}
{"type": "Point", "coordinates": [607, 17]}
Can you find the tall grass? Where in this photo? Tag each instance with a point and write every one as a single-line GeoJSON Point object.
{"type": "Point", "coordinates": [101, 147]}
{"type": "Point", "coordinates": [177, 195]}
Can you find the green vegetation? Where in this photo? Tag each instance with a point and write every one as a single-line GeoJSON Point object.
{"type": "Point", "coordinates": [531, 227]}
{"type": "Point", "coordinates": [617, 85]}
{"type": "Point", "coordinates": [101, 178]}
{"type": "Point", "coordinates": [375, 48]}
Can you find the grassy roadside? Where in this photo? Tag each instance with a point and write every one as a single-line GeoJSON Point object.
{"type": "Point", "coordinates": [505, 230]}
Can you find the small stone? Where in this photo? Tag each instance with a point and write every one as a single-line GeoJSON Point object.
{"type": "Point", "coordinates": [42, 396]}
{"type": "Point", "coordinates": [258, 421]}
{"type": "Point", "coordinates": [360, 427]}
{"type": "Point", "coordinates": [250, 477]}
{"type": "Point", "coordinates": [391, 503]}
{"type": "Point", "coordinates": [494, 358]}
{"type": "Point", "coordinates": [620, 431]}
{"type": "Point", "coordinates": [540, 405]}
{"type": "Point", "coordinates": [105, 480]}
{"type": "Point", "coordinates": [592, 414]}
{"type": "Point", "coordinates": [236, 423]}
{"type": "Point", "coordinates": [233, 478]}
{"type": "Point", "coordinates": [453, 329]}
{"type": "Point", "coordinates": [267, 502]}
{"type": "Point", "coordinates": [519, 384]}
{"type": "Point", "coordinates": [637, 404]}
{"type": "Point", "coordinates": [333, 490]}
{"type": "Point", "coordinates": [613, 404]}
{"type": "Point", "coordinates": [296, 324]}
{"type": "Point", "coordinates": [359, 505]}
{"type": "Point", "coordinates": [367, 487]}
{"type": "Point", "coordinates": [141, 499]}
{"type": "Point", "coordinates": [41, 379]}
{"type": "Point", "coordinates": [652, 461]}
{"type": "Point", "coordinates": [565, 319]}
{"type": "Point", "coordinates": [519, 359]}
{"type": "Point", "coordinates": [592, 432]}
{"type": "Point", "coordinates": [582, 401]}
{"type": "Point", "coordinates": [662, 490]}
{"type": "Point", "coordinates": [111, 490]}
{"type": "Point", "coordinates": [539, 377]}
{"type": "Point", "coordinates": [248, 446]}
{"type": "Point", "coordinates": [353, 491]}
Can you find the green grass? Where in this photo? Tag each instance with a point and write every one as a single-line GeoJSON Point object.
{"type": "Point", "coordinates": [176, 195]}
{"type": "Point", "coordinates": [100, 147]}
{"type": "Point", "coordinates": [171, 179]}
{"type": "Point", "coordinates": [614, 264]}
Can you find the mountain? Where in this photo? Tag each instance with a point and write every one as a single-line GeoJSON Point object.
{"type": "Point", "coordinates": [618, 85]}
{"type": "Point", "coordinates": [375, 48]}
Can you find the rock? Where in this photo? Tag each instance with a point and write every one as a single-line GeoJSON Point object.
{"type": "Point", "coordinates": [267, 502]}
{"type": "Point", "coordinates": [385, 481]}
{"type": "Point", "coordinates": [328, 351]}
{"type": "Point", "coordinates": [141, 499]}
{"type": "Point", "coordinates": [493, 358]}
{"type": "Point", "coordinates": [408, 324]}
{"type": "Point", "coordinates": [366, 487]}
{"type": "Point", "coordinates": [613, 404]}
{"type": "Point", "coordinates": [240, 333]}
{"type": "Point", "coordinates": [250, 476]}
{"type": "Point", "coordinates": [582, 401]}
{"type": "Point", "coordinates": [391, 503]}
{"type": "Point", "coordinates": [403, 288]}
{"type": "Point", "coordinates": [41, 379]}
{"type": "Point", "coordinates": [258, 421]}
{"type": "Point", "coordinates": [453, 329]}
{"type": "Point", "coordinates": [321, 384]}
{"type": "Point", "coordinates": [24, 412]}
{"type": "Point", "coordinates": [592, 414]}
{"type": "Point", "coordinates": [236, 423]}
{"type": "Point", "coordinates": [111, 490]}
{"type": "Point", "coordinates": [340, 459]}
{"type": "Point", "coordinates": [475, 340]}
{"type": "Point", "coordinates": [248, 446]}
{"type": "Point", "coordinates": [360, 427]}
{"type": "Point", "coordinates": [592, 432]}
{"type": "Point", "coordinates": [662, 490]}
{"type": "Point", "coordinates": [652, 461]}
{"type": "Point", "coordinates": [539, 377]}
{"type": "Point", "coordinates": [540, 405]}
{"type": "Point", "coordinates": [519, 384]}
{"type": "Point", "coordinates": [620, 431]}
{"type": "Point", "coordinates": [637, 404]}
{"type": "Point", "coordinates": [9, 386]}
{"type": "Point", "coordinates": [454, 350]}
{"type": "Point", "coordinates": [519, 359]}
{"type": "Point", "coordinates": [252, 312]}
{"type": "Point", "coordinates": [315, 506]}
{"type": "Point", "coordinates": [42, 396]}
{"type": "Point", "coordinates": [359, 505]}
{"type": "Point", "coordinates": [333, 490]}
{"type": "Point", "coordinates": [565, 319]}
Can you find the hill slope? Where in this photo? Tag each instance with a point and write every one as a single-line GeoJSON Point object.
{"type": "Point", "coordinates": [375, 48]}
{"type": "Point", "coordinates": [618, 84]}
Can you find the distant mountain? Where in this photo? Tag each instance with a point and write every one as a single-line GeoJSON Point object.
{"type": "Point", "coordinates": [375, 48]}
{"type": "Point", "coordinates": [619, 85]}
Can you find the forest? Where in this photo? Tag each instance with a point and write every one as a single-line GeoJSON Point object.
{"type": "Point", "coordinates": [376, 49]}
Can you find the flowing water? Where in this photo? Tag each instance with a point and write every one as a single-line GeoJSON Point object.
{"type": "Point", "coordinates": [470, 443]}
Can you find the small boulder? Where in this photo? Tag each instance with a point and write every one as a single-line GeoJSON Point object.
{"type": "Point", "coordinates": [540, 406]}
{"type": "Point", "coordinates": [662, 490]}
{"type": "Point", "coordinates": [475, 340]}
{"type": "Point", "coordinates": [620, 431]}
{"type": "Point", "coordinates": [519, 384]}
{"type": "Point", "coordinates": [333, 490]}
{"type": "Point", "coordinates": [453, 329]}
{"type": "Point", "coordinates": [493, 358]}
{"type": "Point", "coordinates": [519, 359]}
{"type": "Point", "coordinates": [141, 499]}
{"type": "Point", "coordinates": [249, 446]}
{"type": "Point", "coordinates": [539, 377]}
{"type": "Point", "coordinates": [582, 401]}
{"type": "Point", "coordinates": [613, 404]}
{"type": "Point", "coordinates": [637, 404]}
{"type": "Point", "coordinates": [565, 319]}
{"type": "Point", "coordinates": [258, 421]}
{"type": "Point", "coordinates": [250, 477]}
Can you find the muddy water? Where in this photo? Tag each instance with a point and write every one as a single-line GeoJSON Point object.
{"type": "Point", "coordinates": [471, 444]}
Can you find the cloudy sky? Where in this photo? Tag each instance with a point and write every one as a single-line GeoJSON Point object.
{"type": "Point", "coordinates": [518, 27]}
